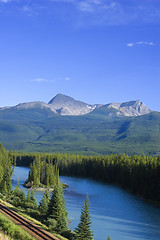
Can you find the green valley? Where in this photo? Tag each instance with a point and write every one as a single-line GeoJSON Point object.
{"type": "Point", "coordinates": [98, 132]}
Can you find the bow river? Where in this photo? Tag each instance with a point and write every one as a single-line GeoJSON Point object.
{"type": "Point", "coordinates": [114, 211]}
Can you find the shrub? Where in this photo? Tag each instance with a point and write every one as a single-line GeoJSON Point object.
{"type": "Point", "coordinates": [51, 223]}
{"type": "Point", "coordinates": [11, 229]}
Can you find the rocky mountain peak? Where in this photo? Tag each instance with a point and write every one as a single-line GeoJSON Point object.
{"type": "Point", "coordinates": [61, 99]}
{"type": "Point", "coordinates": [65, 105]}
{"type": "Point", "coordinates": [131, 108]}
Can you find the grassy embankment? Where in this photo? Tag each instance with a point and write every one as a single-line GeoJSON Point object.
{"type": "Point", "coordinates": [22, 213]}
{"type": "Point", "coordinates": [12, 230]}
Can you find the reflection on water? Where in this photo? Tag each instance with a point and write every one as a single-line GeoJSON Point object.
{"type": "Point", "coordinates": [114, 211]}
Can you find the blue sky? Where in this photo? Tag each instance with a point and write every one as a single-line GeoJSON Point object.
{"type": "Point", "coordinates": [97, 51]}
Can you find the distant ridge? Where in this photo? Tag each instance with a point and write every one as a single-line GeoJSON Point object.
{"type": "Point", "coordinates": [66, 105]}
{"type": "Point", "coordinates": [70, 126]}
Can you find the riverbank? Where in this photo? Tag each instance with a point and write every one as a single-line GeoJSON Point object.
{"type": "Point", "coordinates": [114, 211]}
{"type": "Point", "coordinates": [44, 188]}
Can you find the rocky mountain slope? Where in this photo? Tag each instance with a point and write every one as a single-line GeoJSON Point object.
{"type": "Point", "coordinates": [67, 125]}
{"type": "Point", "coordinates": [65, 105]}
{"type": "Point", "coordinates": [129, 109]}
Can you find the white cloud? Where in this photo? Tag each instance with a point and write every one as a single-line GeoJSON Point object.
{"type": "Point", "coordinates": [89, 5]}
{"type": "Point", "coordinates": [145, 43]}
{"type": "Point", "coordinates": [115, 12]}
{"type": "Point", "coordinates": [130, 44]}
{"type": "Point", "coordinates": [94, 5]}
{"type": "Point", "coordinates": [44, 80]}
{"type": "Point", "coordinates": [85, 7]}
{"type": "Point", "coordinates": [30, 10]}
{"type": "Point", "coordinates": [40, 80]}
{"type": "Point", "coordinates": [93, 12]}
{"type": "Point", "coordinates": [139, 43]}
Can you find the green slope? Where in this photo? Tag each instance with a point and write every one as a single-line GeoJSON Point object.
{"type": "Point", "coordinates": [99, 132]}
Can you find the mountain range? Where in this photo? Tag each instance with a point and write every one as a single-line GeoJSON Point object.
{"type": "Point", "coordinates": [65, 105]}
{"type": "Point", "coordinates": [67, 125]}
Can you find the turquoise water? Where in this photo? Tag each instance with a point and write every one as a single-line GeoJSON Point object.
{"type": "Point", "coordinates": [114, 211]}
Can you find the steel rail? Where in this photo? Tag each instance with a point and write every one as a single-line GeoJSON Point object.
{"type": "Point", "coordinates": [32, 228]}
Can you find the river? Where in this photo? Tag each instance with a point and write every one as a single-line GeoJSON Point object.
{"type": "Point", "coordinates": [114, 211]}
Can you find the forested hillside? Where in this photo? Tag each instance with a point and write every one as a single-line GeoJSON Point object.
{"type": "Point", "coordinates": [98, 132]}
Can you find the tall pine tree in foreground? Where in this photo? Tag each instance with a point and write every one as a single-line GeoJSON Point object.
{"type": "Point", "coordinates": [6, 170]}
{"type": "Point", "coordinates": [57, 211]}
{"type": "Point", "coordinates": [83, 231]}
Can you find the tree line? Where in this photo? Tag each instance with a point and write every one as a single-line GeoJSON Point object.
{"type": "Point", "coordinates": [138, 173]}
{"type": "Point", "coordinates": [51, 210]}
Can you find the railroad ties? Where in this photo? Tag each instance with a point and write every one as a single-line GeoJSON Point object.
{"type": "Point", "coordinates": [36, 231]}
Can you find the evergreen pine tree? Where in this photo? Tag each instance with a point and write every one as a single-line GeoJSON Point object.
{"type": "Point", "coordinates": [33, 200]}
{"type": "Point", "coordinates": [83, 231]}
{"type": "Point", "coordinates": [57, 211]}
{"type": "Point", "coordinates": [46, 194]}
{"type": "Point", "coordinates": [4, 189]}
{"type": "Point", "coordinates": [43, 205]}
{"type": "Point", "coordinates": [17, 190]}
{"type": "Point", "coordinates": [5, 171]}
{"type": "Point", "coordinates": [28, 196]}
{"type": "Point", "coordinates": [19, 196]}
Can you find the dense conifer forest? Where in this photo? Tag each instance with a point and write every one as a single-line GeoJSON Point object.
{"type": "Point", "coordinates": [42, 172]}
{"type": "Point", "coordinates": [138, 174]}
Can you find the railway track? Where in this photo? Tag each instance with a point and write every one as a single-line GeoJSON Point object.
{"type": "Point", "coordinates": [36, 231]}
